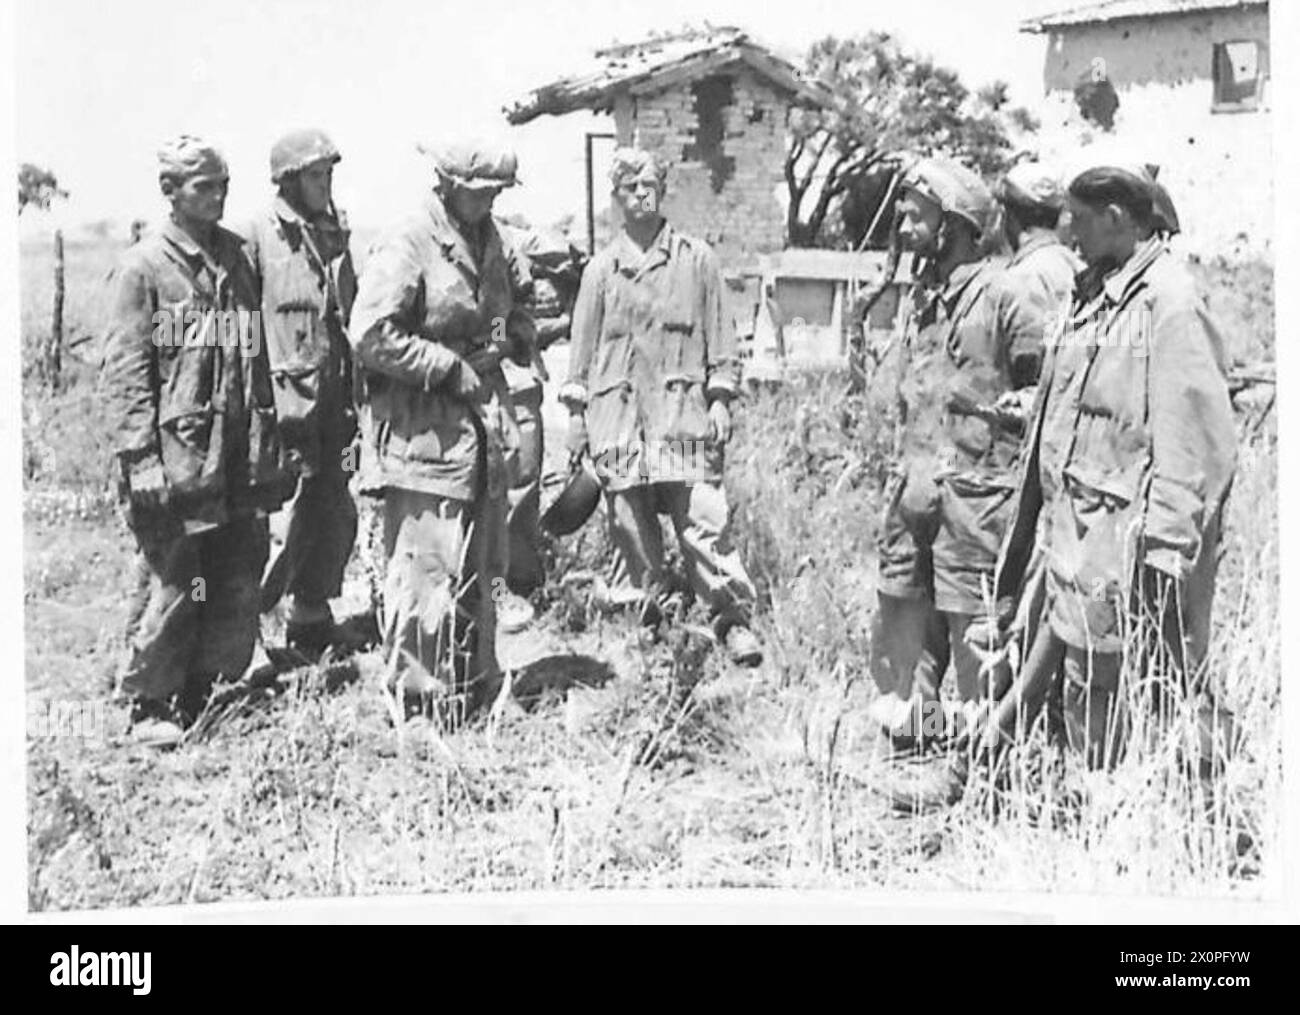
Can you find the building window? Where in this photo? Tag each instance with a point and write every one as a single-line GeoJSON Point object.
{"type": "Point", "coordinates": [1238, 75]}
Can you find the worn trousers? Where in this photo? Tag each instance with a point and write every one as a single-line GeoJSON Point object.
{"type": "Point", "coordinates": [525, 496]}
{"type": "Point", "coordinates": [198, 620]}
{"type": "Point", "coordinates": [938, 549]}
{"type": "Point", "coordinates": [698, 512]}
{"type": "Point", "coordinates": [446, 565]}
{"type": "Point", "coordinates": [913, 645]}
{"type": "Point", "coordinates": [312, 537]}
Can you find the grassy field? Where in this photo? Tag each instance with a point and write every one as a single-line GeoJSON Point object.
{"type": "Point", "coordinates": [624, 762]}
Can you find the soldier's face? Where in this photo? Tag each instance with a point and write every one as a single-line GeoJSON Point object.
{"type": "Point", "coordinates": [638, 197]}
{"type": "Point", "coordinates": [920, 222]}
{"type": "Point", "coordinates": [198, 198]}
{"type": "Point", "coordinates": [1094, 231]}
{"type": "Point", "coordinates": [316, 186]}
{"type": "Point", "coordinates": [470, 206]}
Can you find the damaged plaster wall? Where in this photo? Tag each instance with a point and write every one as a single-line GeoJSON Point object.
{"type": "Point", "coordinates": [724, 138]}
{"type": "Point", "coordinates": [1217, 166]}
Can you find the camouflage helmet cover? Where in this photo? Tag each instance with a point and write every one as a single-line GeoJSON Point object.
{"type": "Point", "coordinates": [475, 165]}
{"type": "Point", "coordinates": [186, 155]}
{"type": "Point", "coordinates": [954, 188]}
{"type": "Point", "coordinates": [299, 149]}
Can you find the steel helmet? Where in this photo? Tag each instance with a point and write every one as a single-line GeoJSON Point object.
{"type": "Point", "coordinates": [298, 150]}
{"type": "Point", "coordinates": [954, 188]}
{"type": "Point", "coordinates": [573, 503]}
{"type": "Point", "coordinates": [476, 165]}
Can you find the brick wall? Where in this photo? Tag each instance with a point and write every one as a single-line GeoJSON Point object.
{"type": "Point", "coordinates": [731, 201]}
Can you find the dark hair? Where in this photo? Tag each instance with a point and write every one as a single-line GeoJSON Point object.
{"type": "Point", "coordinates": [1033, 215]}
{"type": "Point", "coordinates": [1103, 186]}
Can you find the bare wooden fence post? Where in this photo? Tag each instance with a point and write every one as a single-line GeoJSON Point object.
{"type": "Point", "coordinates": [53, 365]}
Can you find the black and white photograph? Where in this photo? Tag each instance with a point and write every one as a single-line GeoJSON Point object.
{"type": "Point", "coordinates": [667, 449]}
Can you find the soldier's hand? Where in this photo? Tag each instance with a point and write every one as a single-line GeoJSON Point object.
{"type": "Point", "coordinates": [577, 440]}
{"type": "Point", "coordinates": [466, 382]}
{"type": "Point", "coordinates": [147, 485]}
{"type": "Point", "coordinates": [719, 422]}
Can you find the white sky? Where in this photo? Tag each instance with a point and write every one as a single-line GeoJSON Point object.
{"type": "Point", "coordinates": [101, 84]}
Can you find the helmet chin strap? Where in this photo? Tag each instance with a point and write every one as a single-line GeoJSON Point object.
{"type": "Point", "coordinates": [926, 262]}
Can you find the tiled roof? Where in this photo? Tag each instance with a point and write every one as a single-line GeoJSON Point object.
{"type": "Point", "coordinates": [658, 63]}
{"type": "Point", "coordinates": [1113, 10]}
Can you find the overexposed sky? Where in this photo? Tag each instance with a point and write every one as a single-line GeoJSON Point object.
{"type": "Point", "coordinates": [101, 84]}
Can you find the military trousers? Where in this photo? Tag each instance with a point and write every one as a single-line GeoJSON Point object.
{"type": "Point", "coordinates": [312, 539]}
{"type": "Point", "coordinates": [446, 565]}
{"type": "Point", "coordinates": [525, 496]}
{"type": "Point", "coordinates": [938, 549]}
{"type": "Point", "coordinates": [313, 534]}
{"type": "Point", "coordinates": [698, 512]}
{"type": "Point", "coordinates": [198, 618]}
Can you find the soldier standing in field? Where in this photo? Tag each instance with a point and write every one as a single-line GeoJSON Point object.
{"type": "Point", "coordinates": [186, 375]}
{"type": "Point", "coordinates": [1130, 456]}
{"type": "Point", "coordinates": [299, 248]}
{"type": "Point", "coordinates": [652, 372]}
{"type": "Point", "coordinates": [973, 342]}
{"type": "Point", "coordinates": [436, 313]}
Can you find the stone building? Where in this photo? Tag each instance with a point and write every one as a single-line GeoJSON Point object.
{"type": "Point", "coordinates": [715, 105]}
{"type": "Point", "coordinates": [1182, 83]}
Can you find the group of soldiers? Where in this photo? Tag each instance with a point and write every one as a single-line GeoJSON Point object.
{"type": "Point", "coordinates": [1066, 436]}
{"type": "Point", "coordinates": [423, 379]}
{"type": "Point", "coordinates": [1069, 446]}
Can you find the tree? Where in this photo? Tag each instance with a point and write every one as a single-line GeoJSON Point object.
{"type": "Point", "coordinates": [37, 187]}
{"type": "Point", "coordinates": [884, 101]}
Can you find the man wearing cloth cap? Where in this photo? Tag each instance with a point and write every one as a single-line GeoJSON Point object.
{"type": "Point", "coordinates": [186, 374]}
{"type": "Point", "coordinates": [972, 337]}
{"type": "Point", "coordinates": [652, 369]}
{"type": "Point", "coordinates": [1130, 457]}
{"type": "Point", "coordinates": [435, 314]}
{"type": "Point", "coordinates": [300, 250]}
{"type": "Point", "coordinates": [1035, 287]}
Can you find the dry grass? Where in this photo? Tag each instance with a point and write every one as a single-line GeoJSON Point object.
{"type": "Point", "coordinates": [626, 763]}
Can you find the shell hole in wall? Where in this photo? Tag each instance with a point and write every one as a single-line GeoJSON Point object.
{"type": "Point", "coordinates": [712, 97]}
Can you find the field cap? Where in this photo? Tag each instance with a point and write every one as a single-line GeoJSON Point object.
{"type": "Point", "coordinates": [186, 155]}
{"type": "Point", "coordinates": [476, 165]}
{"type": "Point", "coordinates": [299, 149]}
{"type": "Point", "coordinates": [954, 188]}
{"type": "Point", "coordinates": [1034, 185]}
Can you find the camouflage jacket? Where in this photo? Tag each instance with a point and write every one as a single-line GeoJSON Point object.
{"type": "Point", "coordinates": [651, 348]}
{"type": "Point", "coordinates": [186, 373]}
{"type": "Point", "coordinates": [308, 287]}
{"type": "Point", "coordinates": [1132, 447]}
{"type": "Point", "coordinates": [425, 300]}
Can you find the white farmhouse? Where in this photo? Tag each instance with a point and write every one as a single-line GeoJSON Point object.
{"type": "Point", "coordinates": [1183, 84]}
